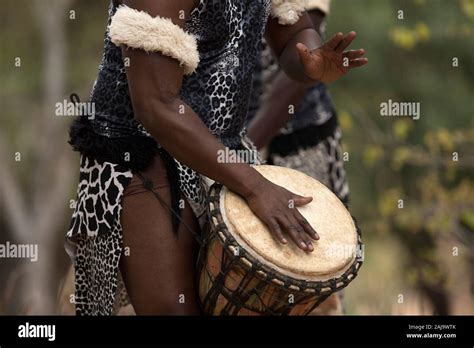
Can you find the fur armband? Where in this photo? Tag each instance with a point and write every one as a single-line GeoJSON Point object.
{"type": "Point", "coordinates": [322, 5]}
{"type": "Point", "coordinates": [137, 29]}
{"type": "Point", "coordinates": [287, 11]}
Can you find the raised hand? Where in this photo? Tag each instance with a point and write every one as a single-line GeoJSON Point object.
{"type": "Point", "coordinates": [330, 61]}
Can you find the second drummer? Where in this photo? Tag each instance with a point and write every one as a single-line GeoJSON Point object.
{"type": "Point", "coordinates": [305, 137]}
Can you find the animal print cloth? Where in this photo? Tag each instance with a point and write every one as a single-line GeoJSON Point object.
{"type": "Point", "coordinates": [96, 255]}
{"type": "Point", "coordinates": [94, 240]}
{"type": "Point", "coordinates": [322, 159]}
{"type": "Point", "coordinates": [229, 34]}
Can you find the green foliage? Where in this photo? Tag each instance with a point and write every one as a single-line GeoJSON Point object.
{"type": "Point", "coordinates": [408, 38]}
{"type": "Point", "coordinates": [467, 219]}
{"type": "Point", "coordinates": [427, 163]}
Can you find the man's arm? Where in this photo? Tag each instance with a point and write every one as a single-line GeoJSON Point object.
{"type": "Point", "coordinates": [304, 57]}
{"type": "Point", "coordinates": [155, 80]}
{"type": "Point", "coordinates": [274, 112]}
{"type": "Point", "coordinates": [152, 36]}
{"type": "Point", "coordinates": [301, 68]}
{"type": "Point", "coordinates": [283, 39]}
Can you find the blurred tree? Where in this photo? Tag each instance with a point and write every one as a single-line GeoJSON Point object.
{"type": "Point", "coordinates": [32, 212]}
{"type": "Point", "coordinates": [425, 198]}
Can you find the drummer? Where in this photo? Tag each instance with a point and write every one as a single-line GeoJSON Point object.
{"type": "Point", "coordinates": [297, 124]}
{"type": "Point", "coordinates": [171, 93]}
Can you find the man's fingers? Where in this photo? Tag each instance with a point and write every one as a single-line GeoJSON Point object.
{"type": "Point", "coordinates": [276, 230]}
{"type": "Point", "coordinates": [300, 200]}
{"type": "Point", "coordinates": [304, 235]}
{"type": "Point", "coordinates": [334, 41]}
{"type": "Point", "coordinates": [356, 63]}
{"type": "Point", "coordinates": [345, 42]}
{"type": "Point", "coordinates": [354, 54]}
{"type": "Point", "coordinates": [294, 234]}
{"type": "Point", "coordinates": [299, 228]}
{"type": "Point", "coordinates": [306, 226]}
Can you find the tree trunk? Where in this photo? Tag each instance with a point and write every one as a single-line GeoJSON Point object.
{"type": "Point", "coordinates": [35, 214]}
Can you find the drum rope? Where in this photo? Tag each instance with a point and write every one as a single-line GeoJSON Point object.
{"type": "Point", "coordinates": [239, 298]}
{"type": "Point", "coordinates": [218, 283]}
{"type": "Point", "coordinates": [148, 184]}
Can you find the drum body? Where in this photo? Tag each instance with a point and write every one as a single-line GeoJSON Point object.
{"type": "Point", "coordinates": [243, 270]}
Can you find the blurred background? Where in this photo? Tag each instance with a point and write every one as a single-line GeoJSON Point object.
{"type": "Point", "coordinates": [412, 182]}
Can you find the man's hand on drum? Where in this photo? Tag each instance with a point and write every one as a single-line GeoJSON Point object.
{"type": "Point", "coordinates": [276, 207]}
{"type": "Point", "coordinates": [331, 61]}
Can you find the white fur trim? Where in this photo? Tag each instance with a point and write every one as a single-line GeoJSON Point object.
{"type": "Point", "coordinates": [323, 5]}
{"type": "Point", "coordinates": [137, 29]}
{"type": "Point", "coordinates": [287, 11]}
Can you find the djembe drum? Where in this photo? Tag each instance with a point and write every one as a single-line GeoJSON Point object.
{"type": "Point", "coordinates": [244, 270]}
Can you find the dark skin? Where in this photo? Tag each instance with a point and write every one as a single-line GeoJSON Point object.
{"type": "Point", "coordinates": [304, 58]}
{"type": "Point", "coordinates": [158, 270]}
{"type": "Point", "coordinates": [285, 91]}
{"type": "Point", "coordinates": [155, 82]}
{"type": "Point", "coordinates": [273, 113]}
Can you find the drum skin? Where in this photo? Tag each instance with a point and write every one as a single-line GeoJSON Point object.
{"type": "Point", "coordinates": [326, 214]}
{"type": "Point", "coordinates": [244, 271]}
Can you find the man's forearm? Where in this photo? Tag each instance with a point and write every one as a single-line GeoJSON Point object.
{"type": "Point", "coordinates": [283, 39]}
{"type": "Point", "coordinates": [283, 93]}
{"type": "Point", "coordinates": [282, 100]}
{"type": "Point", "coordinates": [180, 135]}
{"type": "Point", "coordinates": [289, 59]}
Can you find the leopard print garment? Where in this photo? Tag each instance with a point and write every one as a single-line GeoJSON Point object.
{"type": "Point", "coordinates": [229, 35]}
{"type": "Point", "coordinates": [96, 255]}
{"type": "Point", "coordinates": [224, 74]}
{"type": "Point", "coordinates": [322, 161]}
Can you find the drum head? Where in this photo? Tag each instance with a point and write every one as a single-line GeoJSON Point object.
{"type": "Point", "coordinates": [333, 253]}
